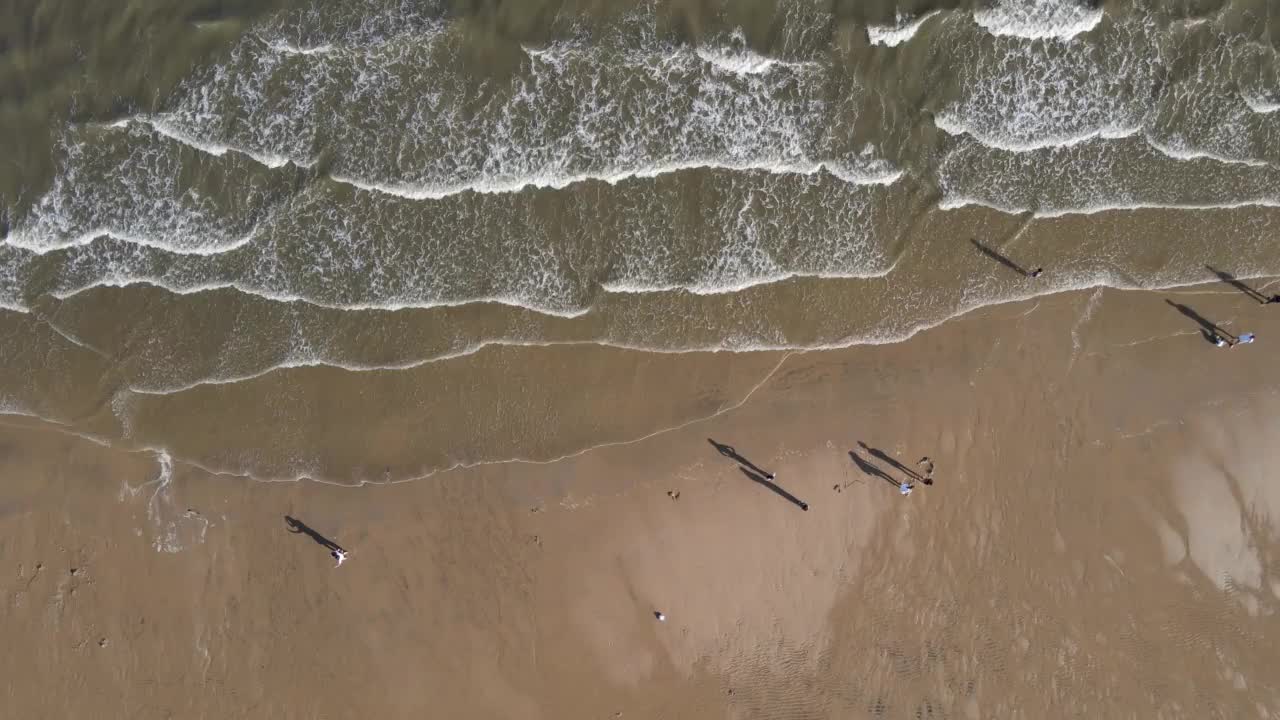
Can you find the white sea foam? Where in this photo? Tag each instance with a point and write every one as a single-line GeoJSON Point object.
{"type": "Point", "coordinates": [288, 48]}
{"type": "Point", "coordinates": [1183, 152]}
{"type": "Point", "coordinates": [903, 30]}
{"type": "Point", "coordinates": [952, 124]}
{"type": "Point", "coordinates": [632, 287]}
{"type": "Point", "coordinates": [883, 174]}
{"type": "Point", "coordinates": [573, 114]}
{"type": "Point", "coordinates": [1262, 105]}
{"type": "Point", "coordinates": [957, 202]}
{"type": "Point", "coordinates": [39, 243]}
{"type": "Point", "coordinates": [738, 59]}
{"type": "Point", "coordinates": [1015, 95]}
{"type": "Point", "coordinates": [741, 61]}
{"type": "Point", "coordinates": [115, 184]}
{"type": "Point", "coordinates": [14, 408]}
{"type": "Point", "coordinates": [390, 306]}
{"type": "Point", "coordinates": [171, 130]}
{"type": "Point", "coordinates": [1038, 19]}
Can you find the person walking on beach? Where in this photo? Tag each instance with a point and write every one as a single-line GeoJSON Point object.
{"type": "Point", "coordinates": [1035, 273]}
{"type": "Point", "coordinates": [1275, 299]}
{"type": "Point", "coordinates": [905, 488]}
{"type": "Point", "coordinates": [340, 555]}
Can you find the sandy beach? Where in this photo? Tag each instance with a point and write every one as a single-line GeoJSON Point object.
{"type": "Point", "coordinates": [1100, 541]}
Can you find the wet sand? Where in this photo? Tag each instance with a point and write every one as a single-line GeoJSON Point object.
{"type": "Point", "coordinates": [1100, 541]}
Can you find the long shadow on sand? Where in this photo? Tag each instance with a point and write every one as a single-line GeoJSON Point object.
{"type": "Point", "coordinates": [774, 487]}
{"type": "Point", "coordinates": [872, 469]}
{"type": "Point", "coordinates": [1231, 280]}
{"type": "Point", "coordinates": [995, 255]}
{"type": "Point", "coordinates": [729, 452]}
{"type": "Point", "coordinates": [1207, 327]}
{"type": "Point", "coordinates": [884, 457]}
{"type": "Point", "coordinates": [298, 527]}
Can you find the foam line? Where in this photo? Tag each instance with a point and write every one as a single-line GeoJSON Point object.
{"type": "Point", "coordinates": [948, 123]}
{"type": "Point", "coordinates": [17, 239]}
{"type": "Point", "coordinates": [961, 202]}
{"type": "Point", "coordinates": [410, 191]}
{"type": "Point", "coordinates": [283, 298]}
{"type": "Point", "coordinates": [179, 135]}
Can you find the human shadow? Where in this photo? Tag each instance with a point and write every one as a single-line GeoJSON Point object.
{"type": "Point", "coordinates": [873, 470]}
{"type": "Point", "coordinates": [882, 456]}
{"type": "Point", "coordinates": [774, 487]}
{"type": "Point", "coordinates": [296, 526]}
{"type": "Point", "coordinates": [995, 255]}
{"type": "Point", "coordinates": [1208, 327]}
{"type": "Point", "coordinates": [1234, 282]}
{"type": "Point", "coordinates": [729, 452]}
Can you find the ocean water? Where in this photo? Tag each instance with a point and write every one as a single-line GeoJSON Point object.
{"type": "Point", "coordinates": [358, 215]}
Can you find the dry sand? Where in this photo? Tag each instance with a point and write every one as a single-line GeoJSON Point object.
{"type": "Point", "coordinates": [1101, 541]}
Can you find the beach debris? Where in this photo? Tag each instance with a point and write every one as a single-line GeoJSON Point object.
{"type": "Point", "coordinates": [102, 642]}
{"type": "Point", "coordinates": [660, 616]}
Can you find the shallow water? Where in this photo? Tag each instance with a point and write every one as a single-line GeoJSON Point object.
{"type": "Point", "coordinates": [392, 209]}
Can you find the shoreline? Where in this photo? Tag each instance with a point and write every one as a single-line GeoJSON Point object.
{"type": "Point", "coordinates": [1073, 553]}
